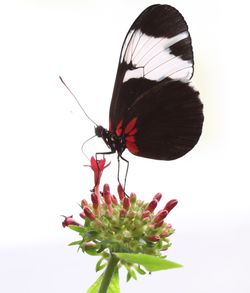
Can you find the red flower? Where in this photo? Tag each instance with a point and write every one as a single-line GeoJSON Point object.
{"type": "Point", "coordinates": [98, 166]}
{"type": "Point", "coordinates": [69, 221]}
{"type": "Point", "coordinates": [126, 203]}
{"type": "Point", "coordinates": [123, 213]}
{"type": "Point", "coordinates": [82, 215]}
{"type": "Point", "coordinates": [158, 224]}
{"type": "Point", "coordinates": [120, 192]}
{"type": "Point", "coordinates": [114, 200]}
{"type": "Point", "coordinates": [170, 205]}
{"type": "Point", "coordinates": [89, 214]}
{"type": "Point", "coordinates": [157, 196]}
{"type": "Point", "coordinates": [95, 201]}
{"type": "Point", "coordinates": [145, 214]}
{"type": "Point", "coordinates": [161, 215]}
{"type": "Point", "coordinates": [154, 238]}
{"type": "Point", "coordinates": [152, 205]}
{"type": "Point", "coordinates": [84, 203]}
{"type": "Point", "coordinates": [106, 194]}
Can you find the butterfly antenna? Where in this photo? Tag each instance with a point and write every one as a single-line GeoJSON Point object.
{"type": "Point", "coordinates": [77, 101]}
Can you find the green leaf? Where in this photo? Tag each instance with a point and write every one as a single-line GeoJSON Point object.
{"type": "Point", "coordinates": [150, 262]}
{"type": "Point", "coordinates": [113, 286]}
{"type": "Point", "coordinates": [95, 286]}
{"type": "Point", "coordinates": [128, 276]}
{"type": "Point", "coordinates": [131, 273]}
{"type": "Point", "coordinates": [79, 229]}
{"type": "Point", "coordinates": [91, 234]}
{"type": "Point", "coordinates": [140, 270]}
{"type": "Point", "coordinates": [92, 251]}
{"type": "Point", "coordinates": [99, 266]}
{"type": "Point", "coordinates": [78, 242]}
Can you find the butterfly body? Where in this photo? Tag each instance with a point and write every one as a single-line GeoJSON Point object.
{"type": "Point", "coordinates": [114, 143]}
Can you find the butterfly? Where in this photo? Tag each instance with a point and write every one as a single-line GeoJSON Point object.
{"type": "Point", "coordinates": [154, 112]}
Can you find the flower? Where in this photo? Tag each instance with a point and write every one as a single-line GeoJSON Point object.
{"type": "Point", "coordinates": [170, 205]}
{"type": "Point", "coordinates": [106, 194]}
{"type": "Point", "coordinates": [98, 166]}
{"type": "Point", "coordinates": [121, 223]}
{"type": "Point", "coordinates": [152, 205]}
{"type": "Point", "coordinates": [157, 196]}
{"type": "Point", "coordinates": [154, 238]}
{"type": "Point", "coordinates": [69, 221]}
{"type": "Point", "coordinates": [95, 201]}
{"type": "Point", "coordinates": [126, 203]}
{"type": "Point", "coordinates": [161, 215]}
{"type": "Point", "coordinates": [89, 214]}
{"type": "Point", "coordinates": [120, 192]}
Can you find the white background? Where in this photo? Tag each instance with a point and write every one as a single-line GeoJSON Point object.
{"type": "Point", "coordinates": [42, 129]}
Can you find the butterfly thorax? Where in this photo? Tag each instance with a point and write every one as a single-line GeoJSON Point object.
{"type": "Point", "coordinates": [114, 142]}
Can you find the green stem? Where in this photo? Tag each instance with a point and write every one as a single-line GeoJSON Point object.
{"type": "Point", "coordinates": [112, 264]}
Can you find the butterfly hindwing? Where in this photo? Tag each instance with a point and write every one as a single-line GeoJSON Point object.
{"type": "Point", "coordinates": [167, 125]}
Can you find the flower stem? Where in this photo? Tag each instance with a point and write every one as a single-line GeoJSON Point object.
{"type": "Point", "coordinates": [112, 264]}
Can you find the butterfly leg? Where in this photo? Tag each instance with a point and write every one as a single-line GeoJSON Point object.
{"type": "Point", "coordinates": [103, 153]}
{"type": "Point", "coordinates": [118, 175]}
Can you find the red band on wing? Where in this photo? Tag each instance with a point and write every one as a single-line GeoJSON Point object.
{"type": "Point", "coordinates": [133, 131]}
{"type": "Point", "coordinates": [130, 125]}
{"type": "Point", "coordinates": [132, 147]}
{"type": "Point", "coordinates": [130, 138]}
{"type": "Point", "coordinates": [118, 130]}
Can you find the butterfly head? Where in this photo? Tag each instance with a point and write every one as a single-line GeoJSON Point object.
{"type": "Point", "coordinates": [99, 131]}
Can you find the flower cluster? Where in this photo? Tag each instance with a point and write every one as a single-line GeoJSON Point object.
{"type": "Point", "coordinates": [121, 223]}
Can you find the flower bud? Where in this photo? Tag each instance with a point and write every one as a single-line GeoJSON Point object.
{"type": "Point", "coordinates": [132, 197]}
{"type": "Point", "coordinates": [82, 215]}
{"type": "Point", "coordinates": [89, 245]}
{"type": "Point", "coordinates": [84, 203]}
{"type": "Point", "coordinates": [123, 213]}
{"type": "Point", "coordinates": [152, 205]}
{"type": "Point", "coordinates": [158, 224]}
{"type": "Point", "coordinates": [106, 194]}
{"type": "Point", "coordinates": [161, 215]}
{"type": "Point", "coordinates": [131, 214]}
{"type": "Point", "coordinates": [164, 234]}
{"type": "Point", "coordinates": [139, 202]}
{"type": "Point", "coordinates": [94, 200]}
{"type": "Point", "coordinates": [114, 200]}
{"type": "Point", "coordinates": [120, 192]}
{"type": "Point", "coordinates": [110, 210]}
{"type": "Point", "coordinates": [170, 205]}
{"type": "Point", "coordinates": [145, 214]}
{"type": "Point", "coordinates": [89, 213]}
{"type": "Point", "coordinates": [157, 196]}
{"type": "Point", "coordinates": [126, 203]}
{"type": "Point", "coordinates": [154, 238]}
{"type": "Point", "coordinates": [106, 189]}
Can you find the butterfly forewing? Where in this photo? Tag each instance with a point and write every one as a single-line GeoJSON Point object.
{"type": "Point", "coordinates": [151, 87]}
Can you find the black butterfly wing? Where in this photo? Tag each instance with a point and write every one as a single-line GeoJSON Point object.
{"type": "Point", "coordinates": [156, 47]}
{"type": "Point", "coordinates": [165, 123]}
